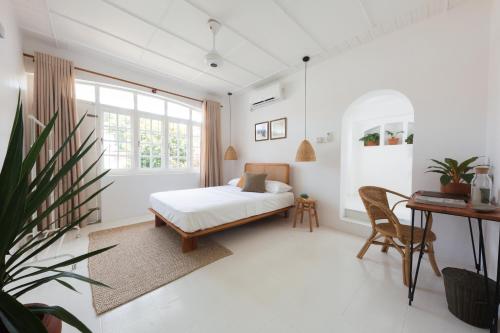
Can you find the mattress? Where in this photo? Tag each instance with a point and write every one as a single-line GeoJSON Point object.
{"type": "Point", "coordinates": [202, 208]}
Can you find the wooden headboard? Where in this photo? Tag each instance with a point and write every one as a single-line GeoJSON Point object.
{"type": "Point", "coordinates": [275, 171]}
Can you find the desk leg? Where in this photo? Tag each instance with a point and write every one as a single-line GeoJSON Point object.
{"type": "Point", "coordinates": [495, 312]}
{"type": "Point", "coordinates": [477, 262]}
{"type": "Point", "coordinates": [421, 253]}
{"type": "Point", "coordinates": [410, 282]}
{"type": "Point", "coordinates": [485, 271]}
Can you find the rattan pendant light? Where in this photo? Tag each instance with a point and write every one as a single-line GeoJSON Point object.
{"type": "Point", "coordinates": [305, 153]}
{"type": "Point", "coordinates": [230, 154]}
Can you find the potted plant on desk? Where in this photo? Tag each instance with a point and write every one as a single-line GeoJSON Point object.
{"type": "Point", "coordinates": [455, 177]}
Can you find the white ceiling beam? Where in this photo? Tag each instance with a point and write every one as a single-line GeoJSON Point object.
{"type": "Point", "coordinates": [368, 18]}
{"type": "Point", "coordinates": [299, 25]}
{"type": "Point", "coordinates": [233, 30]}
{"type": "Point", "coordinates": [142, 47]}
{"type": "Point", "coordinates": [169, 32]}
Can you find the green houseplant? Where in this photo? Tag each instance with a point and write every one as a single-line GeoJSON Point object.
{"type": "Point", "coordinates": [21, 197]}
{"type": "Point", "coordinates": [409, 139]}
{"type": "Point", "coordinates": [393, 137]}
{"type": "Point", "coordinates": [371, 139]}
{"type": "Point", "coordinates": [455, 177]}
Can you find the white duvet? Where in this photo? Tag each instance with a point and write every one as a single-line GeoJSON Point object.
{"type": "Point", "coordinates": [202, 208]}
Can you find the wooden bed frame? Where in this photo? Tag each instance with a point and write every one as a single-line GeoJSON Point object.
{"type": "Point", "coordinates": [274, 171]}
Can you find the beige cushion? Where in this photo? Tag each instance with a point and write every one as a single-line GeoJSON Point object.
{"type": "Point", "coordinates": [255, 182]}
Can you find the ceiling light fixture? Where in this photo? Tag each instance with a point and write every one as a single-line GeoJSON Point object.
{"type": "Point", "coordinates": [213, 58]}
{"type": "Point", "coordinates": [305, 153]}
{"type": "Point", "coordinates": [230, 154]}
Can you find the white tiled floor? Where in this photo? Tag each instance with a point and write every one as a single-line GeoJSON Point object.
{"type": "Point", "coordinates": [279, 279]}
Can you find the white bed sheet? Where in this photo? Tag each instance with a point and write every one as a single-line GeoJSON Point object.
{"type": "Point", "coordinates": [203, 208]}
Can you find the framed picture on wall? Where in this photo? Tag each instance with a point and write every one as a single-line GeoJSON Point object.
{"type": "Point", "coordinates": [278, 128]}
{"type": "Point", "coordinates": [262, 131]}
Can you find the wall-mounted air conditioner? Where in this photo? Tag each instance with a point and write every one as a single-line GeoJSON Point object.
{"type": "Point", "coordinates": [265, 96]}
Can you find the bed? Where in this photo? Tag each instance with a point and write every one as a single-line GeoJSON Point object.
{"type": "Point", "coordinates": [197, 212]}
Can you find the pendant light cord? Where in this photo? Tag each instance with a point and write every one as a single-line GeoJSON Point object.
{"type": "Point", "coordinates": [230, 122]}
{"type": "Point", "coordinates": [305, 100]}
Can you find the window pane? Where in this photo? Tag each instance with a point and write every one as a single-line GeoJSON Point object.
{"type": "Point", "coordinates": [178, 111]}
{"type": "Point", "coordinates": [196, 144]}
{"type": "Point", "coordinates": [150, 142]}
{"type": "Point", "coordinates": [85, 92]}
{"type": "Point", "coordinates": [177, 145]}
{"type": "Point", "coordinates": [196, 116]}
{"type": "Point", "coordinates": [150, 104]}
{"type": "Point", "coordinates": [115, 97]}
{"type": "Point", "coordinates": [117, 140]}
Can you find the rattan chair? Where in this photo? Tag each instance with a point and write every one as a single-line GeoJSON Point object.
{"type": "Point", "coordinates": [395, 234]}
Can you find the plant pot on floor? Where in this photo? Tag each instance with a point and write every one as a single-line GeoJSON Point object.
{"type": "Point", "coordinates": [393, 141]}
{"type": "Point", "coordinates": [466, 296]}
{"type": "Point", "coordinates": [51, 323]}
{"type": "Point", "coordinates": [454, 188]}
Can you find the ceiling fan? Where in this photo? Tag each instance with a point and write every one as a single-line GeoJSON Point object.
{"type": "Point", "coordinates": [213, 59]}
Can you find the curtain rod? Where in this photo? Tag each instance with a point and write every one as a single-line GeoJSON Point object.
{"type": "Point", "coordinates": [153, 89]}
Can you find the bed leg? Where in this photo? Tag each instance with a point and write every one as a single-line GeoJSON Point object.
{"type": "Point", "coordinates": [188, 244]}
{"type": "Point", "coordinates": [286, 213]}
{"type": "Point", "coordinates": [158, 222]}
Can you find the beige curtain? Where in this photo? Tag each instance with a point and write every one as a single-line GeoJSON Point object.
{"type": "Point", "coordinates": [211, 156]}
{"type": "Point", "coordinates": [54, 90]}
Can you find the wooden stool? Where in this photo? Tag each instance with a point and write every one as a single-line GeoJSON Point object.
{"type": "Point", "coordinates": [308, 205]}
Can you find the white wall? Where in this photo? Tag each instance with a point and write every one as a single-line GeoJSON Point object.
{"type": "Point", "coordinates": [128, 197]}
{"type": "Point", "coordinates": [441, 65]}
{"type": "Point", "coordinates": [11, 73]}
{"type": "Point", "coordinates": [493, 134]}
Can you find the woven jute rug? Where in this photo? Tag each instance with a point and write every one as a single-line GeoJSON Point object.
{"type": "Point", "coordinates": [145, 258]}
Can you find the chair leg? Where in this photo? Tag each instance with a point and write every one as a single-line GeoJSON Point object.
{"type": "Point", "coordinates": [432, 258]}
{"type": "Point", "coordinates": [406, 266]}
{"type": "Point", "coordinates": [367, 245]}
{"type": "Point", "coordinates": [385, 247]}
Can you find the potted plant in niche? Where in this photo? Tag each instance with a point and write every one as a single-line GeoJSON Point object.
{"type": "Point", "coordinates": [393, 138]}
{"type": "Point", "coordinates": [455, 177]}
{"type": "Point", "coordinates": [371, 139]}
{"type": "Point", "coordinates": [22, 200]}
{"type": "Point", "coordinates": [409, 139]}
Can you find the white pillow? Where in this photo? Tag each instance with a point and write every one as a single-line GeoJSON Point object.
{"type": "Point", "coordinates": [273, 186]}
{"type": "Point", "coordinates": [233, 182]}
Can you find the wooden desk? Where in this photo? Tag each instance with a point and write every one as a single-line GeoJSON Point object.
{"type": "Point", "coordinates": [470, 214]}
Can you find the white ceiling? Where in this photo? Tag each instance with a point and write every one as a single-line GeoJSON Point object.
{"type": "Point", "coordinates": [259, 39]}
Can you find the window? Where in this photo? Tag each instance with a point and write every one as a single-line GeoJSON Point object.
{"type": "Point", "coordinates": [177, 145]}
{"type": "Point", "coordinates": [196, 146]}
{"type": "Point", "coordinates": [144, 132]}
{"type": "Point", "coordinates": [116, 97]}
{"type": "Point", "coordinates": [85, 92]}
{"type": "Point", "coordinates": [150, 143]}
{"type": "Point", "coordinates": [150, 104]}
{"type": "Point", "coordinates": [117, 140]}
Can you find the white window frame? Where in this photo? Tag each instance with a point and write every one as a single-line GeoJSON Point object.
{"type": "Point", "coordinates": [135, 115]}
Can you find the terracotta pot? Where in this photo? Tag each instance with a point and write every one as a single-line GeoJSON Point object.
{"type": "Point", "coordinates": [393, 141]}
{"type": "Point", "coordinates": [51, 323]}
{"type": "Point", "coordinates": [454, 188]}
{"type": "Point", "coordinates": [371, 143]}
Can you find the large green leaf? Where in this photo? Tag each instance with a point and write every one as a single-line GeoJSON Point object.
{"type": "Point", "coordinates": [11, 168]}
{"type": "Point", "coordinates": [465, 165]}
{"type": "Point", "coordinates": [467, 177]}
{"type": "Point", "coordinates": [41, 270]}
{"type": "Point", "coordinates": [17, 317]}
{"type": "Point", "coordinates": [62, 314]}
{"type": "Point", "coordinates": [445, 179]}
